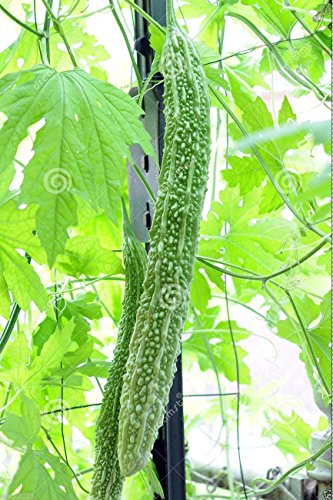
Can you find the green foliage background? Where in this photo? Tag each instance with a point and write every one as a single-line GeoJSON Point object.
{"type": "Point", "coordinates": [265, 234]}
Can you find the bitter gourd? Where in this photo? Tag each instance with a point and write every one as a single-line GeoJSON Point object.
{"type": "Point", "coordinates": [155, 344]}
{"type": "Point", "coordinates": [107, 481]}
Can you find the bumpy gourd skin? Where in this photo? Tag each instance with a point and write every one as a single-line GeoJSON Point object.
{"type": "Point", "coordinates": [107, 481]}
{"type": "Point", "coordinates": [155, 344]}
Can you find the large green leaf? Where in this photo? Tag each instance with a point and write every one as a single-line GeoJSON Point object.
{"type": "Point", "coordinates": [15, 360]}
{"type": "Point", "coordinates": [292, 432]}
{"type": "Point", "coordinates": [22, 430]}
{"type": "Point", "coordinates": [34, 480]}
{"type": "Point", "coordinates": [16, 275]}
{"type": "Point", "coordinates": [88, 126]}
{"type": "Point", "coordinates": [85, 256]}
{"type": "Point", "coordinates": [212, 345]}
{"type": "Point", "coordinates": [276, 19]}
{"type": "Point", "coordinates": [252, 242]}
{"type": "Point", "coordinates": [319, 336]}
{"type": "Point", "coordinates": [23, 51]}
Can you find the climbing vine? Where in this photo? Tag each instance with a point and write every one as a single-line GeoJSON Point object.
{"type": "Point", "coordinates": [261, 278]}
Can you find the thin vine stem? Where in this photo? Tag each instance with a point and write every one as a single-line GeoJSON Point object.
{"type": "Point", "coordinates": [67, 14]}
{"type": "Point", "coordinates": [221, 404]}
{"type": "Point", "coordinates": [246, 306]}
{"type": "Point", "coordinates": [127, 43]}
{"type": "Point", "coordinates": [304, 330]}
{"type": "Point", "coordinates": [218, 124]}
{"type": "Point", "coordinates": [14, 315]}
{"type": "Point", "coordinates": [87, 282]}
{"type": "Point", "coordinates": [54, 446]}
{"type": "Point", "coordinates": [286, 71]}
{"type": "Point", "coordinates": [256, 47]}
{"type": "Point", "coordinates": [38, 33]}
{"type": "Point", "coordinates": [262, 162]}
{"type": "Point", "coordinates": [39, 39]}
{"type": "Point", "coordinates": [79, 407]}
{"type": "Point", "coordinates": [308, 342]}
{"type": "Point", "coordinates": [85, 471]}
{"type": "Point", "coordinates": [107, 310]}
{"type": "Point", "coordinates": [234, 346]}
{"type": "Point", "coordinates": [145, 15]}
{"type": "Point", "coordinates": [312, 355]}
{"type": "Point", "coordinates": [143, 180]}
{"type": "Point", "coordinates": [308, 29]}
{"type": "Point", "coordinates": [273, 485]}
{"type": "Point", "coordinates": [47, 23]}
{"type": "Point", "coordinates": [56, 312]}
{"type": "Point", "coordinates": [145, 88]}
{"type": "Point", "coordinates": [256, 277]}
{"type": "Point", "coordinates": [9, 326]}
{"type": "Point", "coordinates": [4, 406]}
{"type": "Point", "coordinates": [104, 9]}
{"type": "Point", "coordinates": [292, 470]}
{"type": "Point", "coordinates": [58, 27]}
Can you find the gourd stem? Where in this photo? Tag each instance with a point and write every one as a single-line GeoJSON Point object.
{"type": "Point", "coordinates": [170, 13]}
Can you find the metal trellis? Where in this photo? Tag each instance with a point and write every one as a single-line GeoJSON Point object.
{"type": "Point", "coordinates": [169, 449]}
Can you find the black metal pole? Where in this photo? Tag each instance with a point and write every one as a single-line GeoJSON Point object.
{"type": "Point", "coordinates": [169, 449]}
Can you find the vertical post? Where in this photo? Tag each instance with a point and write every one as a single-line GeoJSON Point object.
{"type": "Point", "coordinates": [169, 449]}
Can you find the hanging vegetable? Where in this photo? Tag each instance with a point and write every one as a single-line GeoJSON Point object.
{"type": "Point", "coordinates": [156, 340]}
{"type": "Point", "coordinates": [107, 481]}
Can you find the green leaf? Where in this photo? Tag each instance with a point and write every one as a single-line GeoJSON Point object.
{"type": "Point", "coordinates": [200, 291]}
{"type": "Point", "coordinates": [224, 352]}
{"type": "Point", "coordinates": [305, 55]}
{"type": "Point", "coordinates": [82, 309]}
{"type": "Point", "coordinates": [280, 21]}
{"type": "Point", "coordinates": [88, 51]}
{"type": "Point", "coordinates": [43, 332]}
{"type": "Point", "coordinates": [292, 431]}
{"type": "Point", "coordinates": [15, 360]}
{"type": "Point", "coordinates": [52, 353]}
{"type": "Point", "coordinates": [22, 430]}
{"type": "Point", "coordinates": [209, 340]}
{"type": "Point", "coordinates": [143, 485]}
{"type": "Point", "coordinates": [251, 242]}
{"type": "Point", "coordinates": [319, 336]}
{"type": "Point", "coordinates": [246, 170]}
{"type": "Point", "coordinates": [22, 53]}
{"type": "Point", "coordinates": [85, 256]}
{"type": "Point", "coordinates": [88, 126]}
{"type": "Point", "coordinates": [95, 369]}
{"type": "Point", "coordinates": [197, 8]}
{"type": "Point", "coordinates": [157, 39]}
{"type": "Point", "coordinates": [33, 479]}
{"type": "Point", "coordinates": [214, 75]}
{"type": "Point", "coordinates": [16, 275]}
{"type": "Point", "coordinates": [73, 359]}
